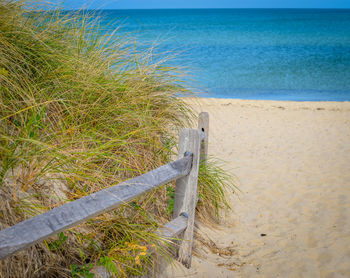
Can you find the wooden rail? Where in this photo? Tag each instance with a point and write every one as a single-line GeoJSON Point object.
{"type": "Point", "coordinates": [184, 170]}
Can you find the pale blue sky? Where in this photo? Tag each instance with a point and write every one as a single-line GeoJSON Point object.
{"type": "Point", "coordinates": [163, 4]}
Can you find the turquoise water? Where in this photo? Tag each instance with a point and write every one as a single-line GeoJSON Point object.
{"type": "Point", "coordinates": [279, 54]}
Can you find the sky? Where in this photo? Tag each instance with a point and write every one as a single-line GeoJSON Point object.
{"type": "Point", "coordinates": [166, 4]}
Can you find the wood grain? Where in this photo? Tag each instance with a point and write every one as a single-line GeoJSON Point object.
{"type": "Point", "coordinates": [186, 192]}
{"type": "Point", "coordinates": [174, 227]}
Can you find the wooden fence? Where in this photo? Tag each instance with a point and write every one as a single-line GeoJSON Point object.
{"type": "Point", "coordinates": [193, 146]}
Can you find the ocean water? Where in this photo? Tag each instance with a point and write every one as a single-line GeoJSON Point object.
{"type": "Point", "coordinates": [277, 54]}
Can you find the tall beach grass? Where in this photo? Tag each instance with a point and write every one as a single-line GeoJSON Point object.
{"type": "Point", "coordinates": [80, 112]}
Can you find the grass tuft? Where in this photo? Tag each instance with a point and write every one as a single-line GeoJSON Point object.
{"type": "Point", "coordinates": [215, 186]}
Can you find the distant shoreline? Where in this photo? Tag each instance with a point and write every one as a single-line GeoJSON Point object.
{"type": "Point", "coordinates": [281, 104]}
{"type": "Point", "coordinates": [281, 95]}
{"type": "Point", "coordinates": [267, 100]}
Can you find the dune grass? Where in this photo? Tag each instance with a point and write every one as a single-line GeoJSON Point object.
{"type": "Point", "coordinates": [216, 186]}
{"type": "Point", "coordinates": [80, 112]}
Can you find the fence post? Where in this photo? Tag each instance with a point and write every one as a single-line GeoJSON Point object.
{"type": "Point", "coordinates": [203, 126]}
{"type": "Point", "coordinates": [186, 192]}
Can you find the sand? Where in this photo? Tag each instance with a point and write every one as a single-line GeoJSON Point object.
{"type": "Point", "coordinates": [292, 163]}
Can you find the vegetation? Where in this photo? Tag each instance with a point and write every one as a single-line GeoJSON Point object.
{"type": "Point", "coordinates": [80, 112]}
{"type": "Point", "coordinates": [214, 184]}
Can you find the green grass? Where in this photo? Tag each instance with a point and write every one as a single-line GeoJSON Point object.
{"type": "Point", "coordinates": [78, 113]}
{"type": "Point", "coordinates": [215, 186]}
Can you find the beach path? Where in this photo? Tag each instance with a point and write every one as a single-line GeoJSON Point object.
{"type": "Point", "coordinates": [292, 163]}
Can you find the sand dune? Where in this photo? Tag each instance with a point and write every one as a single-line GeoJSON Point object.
{"type": "Point", "coordinates": [292, 218]}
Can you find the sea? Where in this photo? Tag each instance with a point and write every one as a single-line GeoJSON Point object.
{"type": "Point", "coordinates": [270, 54]}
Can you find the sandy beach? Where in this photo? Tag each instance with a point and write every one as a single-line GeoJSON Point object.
{"type": "Point", "coordinates": [292, 216]}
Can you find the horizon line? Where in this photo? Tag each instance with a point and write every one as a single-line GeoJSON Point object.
{"type": "Point", "coordinates": [269, 8]}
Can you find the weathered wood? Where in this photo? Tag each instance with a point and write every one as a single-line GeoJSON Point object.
{"type": "Point", "coordinates": [186, 192]}
{"type": "Point", "coordinates": [40, 227]}
{"type": "Point", "coordinates": [203, 126]}
{"type": "Point", "coordinates": [174, 227]}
